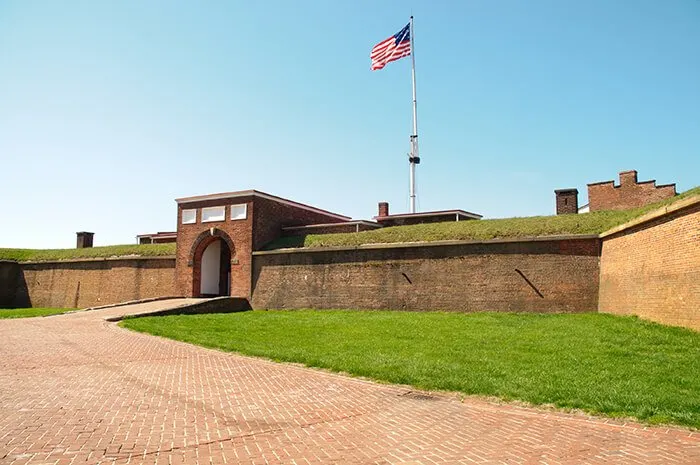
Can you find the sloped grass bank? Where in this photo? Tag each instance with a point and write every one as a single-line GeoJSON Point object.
{"type": "Point", "coordinates": [30, 312]}
{"type": "Point", "coordinates": [39, 255]}
{"type": "Point", "coordinates": [534, 226]}
{"type": "Point", "coordinates": [604, 364]}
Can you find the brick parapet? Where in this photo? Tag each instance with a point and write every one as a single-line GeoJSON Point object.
{"type": "Point", "coordinates": [630, 193]}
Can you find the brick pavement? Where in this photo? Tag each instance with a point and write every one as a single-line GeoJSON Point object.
{"type": "Point", "coordinates": [77, 389]}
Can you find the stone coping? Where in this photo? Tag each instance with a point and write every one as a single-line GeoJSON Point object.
{"type": "Point", "coordinates": [401, 245]}
{"type": "Point", "coordinates": [98, 259]}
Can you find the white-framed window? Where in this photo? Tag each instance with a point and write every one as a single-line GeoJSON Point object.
{"type": "Point", "coordinates": [239, 212]}
{"type": "Point", "coordinates": [189, 216]}
{"type": "Point", "coordinates": [213, 214]}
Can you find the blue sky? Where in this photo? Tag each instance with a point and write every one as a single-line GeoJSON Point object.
{"type": "Point", "coordinates": [109, 110]}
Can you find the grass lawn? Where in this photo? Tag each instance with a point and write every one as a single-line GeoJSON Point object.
{"type": "Point", "coordinates": [30, 312]}
{"type": "Point", "coordinates": [617, 366]}
{"type": "Point", "coordinates": [589, 223]}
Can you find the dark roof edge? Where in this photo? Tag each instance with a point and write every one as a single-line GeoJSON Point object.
{"type": "Point", "coordinates": [432, 213]}
{"type": "Point", "coordinates": [325, 225]}
{"type": "Point", "coordinates": [264, 195]}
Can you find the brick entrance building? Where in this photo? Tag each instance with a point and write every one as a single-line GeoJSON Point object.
{"type": "Point", "coordinates": [217, 234]}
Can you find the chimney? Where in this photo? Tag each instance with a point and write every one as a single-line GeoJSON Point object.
{"type": "Point", "coordinates": [567, 201]}
{"type": "Point", "coordinates": [383, 209]}
{"type": "Point", "coordinates": [84, 239]}
{"type": "Point", "coordinates": [628, 178]}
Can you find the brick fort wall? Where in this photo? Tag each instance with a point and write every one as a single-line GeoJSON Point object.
{"type": "Point", "coordinates": [652, 269]}
{"type": "Point", "coordinates": [9, 280]}
{"type": "Point", "coordinates": [89, 283]}
{"type": "Point", "coordinates": [541, 275]}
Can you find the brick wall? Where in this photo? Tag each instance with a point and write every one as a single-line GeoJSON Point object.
{"type": "Point", "coordinates": [530, 275]}
{"type": "Point", "coordinates": [9, 279]}
{"type": "Point", "coordinates": [629, 194]}
{"type": "Point", "coordinates": [272, 216]}
{"type": "Point", "coordinates": [652, 268]}
{"type": "Point", "coordinates": [88, 283]}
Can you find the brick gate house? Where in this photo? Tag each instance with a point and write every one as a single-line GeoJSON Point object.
{"type": "Point", "coordinates": [217, 234]}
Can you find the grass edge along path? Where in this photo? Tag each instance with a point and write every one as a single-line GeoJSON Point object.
{"type": "Point", "coordinates": [598, 363]}
{"type": "Point", "coordinates": [6, 313]}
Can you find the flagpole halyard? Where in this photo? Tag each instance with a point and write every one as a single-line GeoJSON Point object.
{"type": "Point", "coordinates": [413, 158]}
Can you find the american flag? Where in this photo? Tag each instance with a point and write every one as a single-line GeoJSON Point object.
{"type": "Point", "coordinates": [391, 49]}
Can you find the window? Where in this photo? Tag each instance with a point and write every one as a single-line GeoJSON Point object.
{"type": "Point", "coordinates": [239, 212]}
{"type": "Point", "coordinates": [189, 216]}
{"type": "Point", "coordinates": [213, 214]}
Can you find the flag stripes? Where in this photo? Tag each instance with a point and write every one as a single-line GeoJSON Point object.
{"type": "Point", "coordinates": [391, 49]}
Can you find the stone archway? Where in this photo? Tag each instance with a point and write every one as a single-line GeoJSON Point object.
{"type": "Point", "coordinates": [210, 258]}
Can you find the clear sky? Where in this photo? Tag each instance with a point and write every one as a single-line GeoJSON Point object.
{"type": "Point", "coordinates": [109, 110]}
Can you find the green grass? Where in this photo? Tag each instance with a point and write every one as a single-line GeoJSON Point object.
{"type": "Point", "coordinates": [590, 223]}
{"type": "Point", "coordinates": [617, 366]}
{"type": "Point", "coordinates": [30, 312]}
{"type": "Point", "coordinates": [146, 250]}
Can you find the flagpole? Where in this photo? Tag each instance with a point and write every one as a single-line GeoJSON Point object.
{"type": "Point", "coordinates": [413, 158]}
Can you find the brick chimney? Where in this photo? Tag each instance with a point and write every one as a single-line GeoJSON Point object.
{"type": "Point", "coordinates": [567, 201]}
{"type": "Point", "coordinates": [628, 178]}
{"type": "Point", "coordinates": [84, 239]}
{"type": "Point", "coordinates": [383, 209]}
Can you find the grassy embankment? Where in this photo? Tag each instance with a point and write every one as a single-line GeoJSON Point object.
{"type": "Point", "coordinates": [604, 364]}
{"type": "Point", "coordinates": [589, 223]}
{"type": "Point", "coordinates": [30, 255]}
{"type": "Point", "coordinates": [30, 312]}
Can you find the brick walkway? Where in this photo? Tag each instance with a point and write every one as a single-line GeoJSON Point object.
{"type": "Point", "coordinates": [77, 389]}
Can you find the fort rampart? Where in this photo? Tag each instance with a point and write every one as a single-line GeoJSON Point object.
{"type": "Point", "coordinates": [649, 267]}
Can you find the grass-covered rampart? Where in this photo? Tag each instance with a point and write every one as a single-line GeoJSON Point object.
{"type": "Point", "coordinates": [39, 255]}
{"type": "Point", "coordinates": [534, 226]}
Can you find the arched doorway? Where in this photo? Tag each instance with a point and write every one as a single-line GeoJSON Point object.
{"type": "Point", "coordinates": [212, 268]}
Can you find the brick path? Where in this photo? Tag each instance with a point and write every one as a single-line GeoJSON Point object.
{"type": "Point", "coordinates": [77, 389]}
